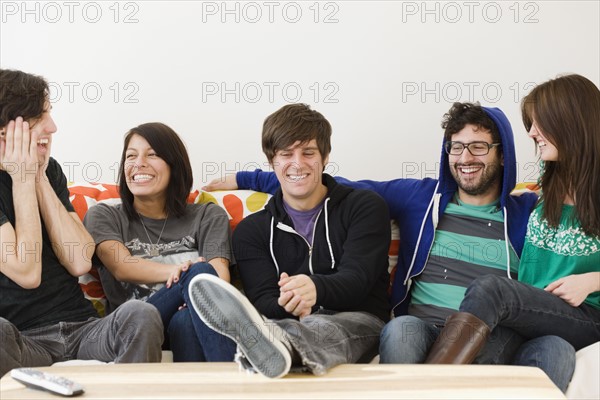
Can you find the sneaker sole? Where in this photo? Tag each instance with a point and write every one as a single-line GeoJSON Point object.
{"type": "Point", "coordinates": [224, 309]}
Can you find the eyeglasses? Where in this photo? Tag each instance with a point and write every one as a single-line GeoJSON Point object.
{"type": "Point", "coordinates": [475, 148]}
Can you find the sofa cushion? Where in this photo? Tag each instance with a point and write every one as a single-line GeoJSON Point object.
{"type": "Point", "coordinates": [238, 203]}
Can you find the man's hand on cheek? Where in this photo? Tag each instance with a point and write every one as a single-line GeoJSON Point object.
{"type": "Point", "coordinates": [18, 151]}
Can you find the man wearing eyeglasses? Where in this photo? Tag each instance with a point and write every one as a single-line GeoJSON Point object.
{"type": "Point", "coordinates": [453, 229]}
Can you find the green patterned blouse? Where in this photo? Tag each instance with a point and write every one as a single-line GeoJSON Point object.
{"type": "Point", "coordinates": [552, 253]}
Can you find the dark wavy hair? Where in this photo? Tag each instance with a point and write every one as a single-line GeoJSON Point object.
{"type": "Point", "coordinates": [21, 95]}
{"type": "Point", "coordinates": [292, 123]}
{"type": "Point", "coordinates": [462, 114]}
{"type": "Point", "coordinates": [168, 146]}
{"type": "Point", "coordinates": [567, 111]}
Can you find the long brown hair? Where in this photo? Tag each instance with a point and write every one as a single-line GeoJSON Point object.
{"type": "Point", "coordinates": [567, 111]}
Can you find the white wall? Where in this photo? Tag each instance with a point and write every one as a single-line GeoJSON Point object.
{"type": "Point", "coordinates": [382, 72]}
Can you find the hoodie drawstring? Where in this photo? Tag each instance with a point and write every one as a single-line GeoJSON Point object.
{"type": "Point", "coordinates": [506, 240]}
{"type": "Point", "coordinates": [271, 245]}
{"type": "Point", "coordinates": [433, 203]}
{"type": "Point", "coordinates": [290, 230]}
{"type": "Point", "coordinates": [327, 234]}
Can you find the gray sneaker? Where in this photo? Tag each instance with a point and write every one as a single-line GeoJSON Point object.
{"type": "Point", "coordinates": [224, 309]}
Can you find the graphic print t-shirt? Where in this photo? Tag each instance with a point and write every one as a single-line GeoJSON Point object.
{"type": "Point", "coordinates": [202, 231]}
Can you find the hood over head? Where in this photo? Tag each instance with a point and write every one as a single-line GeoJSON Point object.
{"type": "Point", "coordinates": [509, 175]}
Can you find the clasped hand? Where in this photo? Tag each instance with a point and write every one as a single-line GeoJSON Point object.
{"type": "Point", "coordinates": [298, 294]}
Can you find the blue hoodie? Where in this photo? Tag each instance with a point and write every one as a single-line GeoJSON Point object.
{"type": "Point", "coordinates": [418, 204]}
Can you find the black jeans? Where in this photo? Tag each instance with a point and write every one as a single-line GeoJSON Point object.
{"type": "Point", "coordinates": [133, 333]}
{"type": "Point", "coordinates": [529, 311]}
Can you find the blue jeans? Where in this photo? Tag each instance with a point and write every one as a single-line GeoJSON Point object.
{"type": "Point", "coordinates": [323, 340]}
{"type": "Point", "coordinates": [407, 340]}
{"type": "Point", "coordinates": [131, 334]}
{"type": "Point", "coordinates": [553, 355]}
{"type": "Point", "coordinates": [529, 311]}
{"type": "Point", "coordinates": [189, 338]}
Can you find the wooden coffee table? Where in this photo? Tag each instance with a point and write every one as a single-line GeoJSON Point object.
{"type": "Point", "coordinates": [351, 381]}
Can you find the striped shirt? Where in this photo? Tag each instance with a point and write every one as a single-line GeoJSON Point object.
{"type": "Point", "coordinates": [469, 242]}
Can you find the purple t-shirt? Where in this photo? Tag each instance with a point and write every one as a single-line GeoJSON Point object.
{"type": "Point", "coordinates": [304, 221]}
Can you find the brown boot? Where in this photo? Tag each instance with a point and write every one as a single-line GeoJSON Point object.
{"type": "Point", "coordinates": [460, 341]}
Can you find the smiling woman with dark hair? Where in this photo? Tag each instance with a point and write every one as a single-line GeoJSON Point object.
{"type": "Point", "coordinates": [154, 243]}
{"type": "Point", "coordinates": [173, 153]}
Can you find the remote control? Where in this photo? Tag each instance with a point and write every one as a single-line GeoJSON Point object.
{"type": "Point", "coordinates": [41, 380]}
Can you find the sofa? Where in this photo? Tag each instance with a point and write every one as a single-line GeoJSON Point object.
{"type": "Point", "coordinates": [240, 203]}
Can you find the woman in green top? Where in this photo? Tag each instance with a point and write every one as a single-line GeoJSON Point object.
{"type": "Point", "coordinates": [558, 292]}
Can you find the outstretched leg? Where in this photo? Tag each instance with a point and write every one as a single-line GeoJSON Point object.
{"type": "Point", "coordinates": [224, 309]}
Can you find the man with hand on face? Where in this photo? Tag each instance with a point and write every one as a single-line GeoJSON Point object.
{"type": "Point", "coordinates": [44, 317]}
{"type": "Point", "coordinates": [314, 262]}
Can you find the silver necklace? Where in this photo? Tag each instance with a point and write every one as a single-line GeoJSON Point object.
{"type": "Point", "coordinates": [154, 246]}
